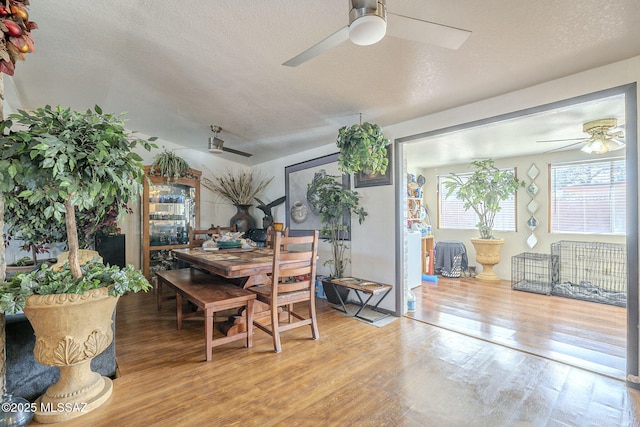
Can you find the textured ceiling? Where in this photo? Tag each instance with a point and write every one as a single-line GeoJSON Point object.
{"type": "Point", "coordinates": [178, 67]}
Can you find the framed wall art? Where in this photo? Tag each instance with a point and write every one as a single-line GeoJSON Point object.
{"type": "Point", "coordinates": [365, 180]}
{"type": "Point", "coordinates": [300, 215]}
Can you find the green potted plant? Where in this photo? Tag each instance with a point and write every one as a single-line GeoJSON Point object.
{"type": "Point", "coordinates": [170, 166]}
{"type": "Point", "coordinates": [363, 148]}
{"type": "Point", "coordinates": [239, 189]}
{"type": "Point", "coordinates": [36, 232]}
{"type": "Point", "coordinates": [332, 202]}
{"type": "Point", "coordinates": [63, 166]}
{"type": "Point", "coordinates": [483, 191]}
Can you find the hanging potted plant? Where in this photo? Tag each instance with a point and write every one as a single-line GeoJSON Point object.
{"type": "Point", "coordinates": [170, 166]}
{"type": "Point", "coordinates": [363, 148]}
{"type": "Point", "coordinates": [483, 191]}
{"type": "Point", "coordinates": [61, 166]}
{"type": "Point", "coordinates": [240, 190]}
{"type": "Point", "coordinates": [333, 203]}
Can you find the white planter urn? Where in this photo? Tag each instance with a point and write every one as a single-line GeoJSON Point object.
{"type": "Point", "coordinates": [71, 329]}
{"type": "Point", "coordinates": [487, 255]}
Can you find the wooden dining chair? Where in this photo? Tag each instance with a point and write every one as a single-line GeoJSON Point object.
{"type": "Point", "coordinates": [198, 237]}
{"type": "Point", "coordinates": [271, 233]}
{"type": "Point", "coordinates": [219, 229]}
{"type": "Point", "coordinates": [292, 282]}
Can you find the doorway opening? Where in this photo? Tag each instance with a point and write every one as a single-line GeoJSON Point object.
{"type": "Point", "coordinates": [449, 143]}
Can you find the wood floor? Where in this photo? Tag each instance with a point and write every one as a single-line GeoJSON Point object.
{"type": "Point", "coordinates": [584, 334]}
{"type": "Point", "coordinates": [407, 373]}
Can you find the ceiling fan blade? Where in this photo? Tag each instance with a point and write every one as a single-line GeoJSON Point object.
{"type": "Point", "coordinates": [421, 31]}
{"type": "Point", "coordinates": [238, 152]}
{"type": "Point", "coordinates": [563, 147]}
{"type": "Point", "coordinates": [563, 140]}
{"type": "Point", "coordinates": [330, 42]}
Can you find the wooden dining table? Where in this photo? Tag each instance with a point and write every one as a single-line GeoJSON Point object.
{"type": "Point", "coordinates": [250, 267]}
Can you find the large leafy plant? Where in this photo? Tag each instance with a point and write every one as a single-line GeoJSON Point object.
{"type": "Point", "coordinates": [483, 191]}
{"type": "Point", "coordinates": [46, 281]}
{"type": "Point", "coordinates": [61, 166]}
{"type": "Point", "coordinates": [363, 148]}
{"type": "Point", "coordinates": [332, 202]}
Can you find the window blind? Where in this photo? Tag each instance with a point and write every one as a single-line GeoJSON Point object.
{"type": "Point", "coordinates": [588, 197]}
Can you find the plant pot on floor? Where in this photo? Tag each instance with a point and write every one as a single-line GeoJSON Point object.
{"type": "Point", "coordinates": [71, 329]}
{"type": "Point", "coordinates": [487, 255]}
{"type": "Point", "coordinates": [332, 292]}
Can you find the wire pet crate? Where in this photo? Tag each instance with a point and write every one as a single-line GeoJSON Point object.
{"type": "Point", "coordinates": [534, 272]}
{"type": "Point", "coordinates": [591, 271]}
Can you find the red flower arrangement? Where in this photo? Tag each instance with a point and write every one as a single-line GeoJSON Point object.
{"type": "Point", "coordinates": [16, 29]}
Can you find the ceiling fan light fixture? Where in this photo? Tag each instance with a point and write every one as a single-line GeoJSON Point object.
{"type": "Point", "coordinates": [602, 146]}
{"type": "Point", "coordinates": [602, 140]}
{"type": "Point", "coordinates": [215, 145]}
{"type": "Point", "coordinates": [367, 30]}
{"type": "Point", "coordinates": [614, 144]}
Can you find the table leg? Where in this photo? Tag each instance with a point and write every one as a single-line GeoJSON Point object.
{"type": "Point", "coordinates": [179, 309]}
{"type": "Point", "coordinates": [256, 280]}
{"type": "Point", "coordinates": [363, 304]}
{"type": "Point", "coordinates": [237, 324]}
{"type": "Point", "coordinates": [372, 307]}
{"type": "Point", "coordinates": [344, 307]}
{"type": "Point", "coordinates": [250, 307]}
{"type": "Point", "coordinates": [208, 332]}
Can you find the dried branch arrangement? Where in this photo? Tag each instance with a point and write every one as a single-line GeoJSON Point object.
{"type": "Point", "coordinates": [238, 189]}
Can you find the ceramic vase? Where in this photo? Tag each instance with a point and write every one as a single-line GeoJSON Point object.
{"type": "Point", "coordinates": [242, 219]}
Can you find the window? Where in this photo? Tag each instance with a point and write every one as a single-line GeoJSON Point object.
{"type": "Point", "coordinates": [451, 213]}
{"type": "Point", "coordinates": [588, 197]}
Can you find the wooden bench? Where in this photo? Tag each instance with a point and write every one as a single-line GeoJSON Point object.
{"type": "Point", "coordinates": [366, 287]}
{"type": "Point", "coordinates": [210, 294]}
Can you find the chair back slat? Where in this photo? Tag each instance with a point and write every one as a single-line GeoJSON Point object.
{"type": "Point", "coordinates": [294, 286]}
{"type": "Point", "coordinates": [295, 271]}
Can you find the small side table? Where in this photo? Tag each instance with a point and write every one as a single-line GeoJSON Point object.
{"type": "Point", "coordinates": [365, 287]}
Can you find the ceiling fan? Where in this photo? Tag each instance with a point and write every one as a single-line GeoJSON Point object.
{"type": "Point", "coordinates": [601, 138]}
{"type": "Point", "coordinates": [368, 21]}
{"type": "Point", "coordinates": [216, 144]}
